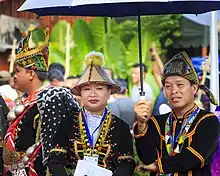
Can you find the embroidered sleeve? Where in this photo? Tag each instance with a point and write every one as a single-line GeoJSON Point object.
{"type": "Point", "coordinates": [58, 153]}
{"type": "Point", "coordinates": [55, 105]}
{"type": "Point", "coordinates": [202, 143]}
{"type": "Point", "coordinates": [148, 144]}
{"type": "Point", "coordinates": [126, 162]}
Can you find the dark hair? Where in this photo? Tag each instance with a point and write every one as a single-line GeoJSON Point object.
{"type": "Point", "coordinates": [73, 77]}
{"type": "Point", "coordinates": [42, 76]}
{"type": "Point", "coordinates": [123, 85]}
{"type": "Point", "coordinates": [143, 66]}
{"type": "Point", "coordinates": [57, 66]}
{"type": "Point", "coordinates": [55, 74]}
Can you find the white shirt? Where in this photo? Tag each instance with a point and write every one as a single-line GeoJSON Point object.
{"type": "Point", "coordinates": [93, 121]}
{"type": "Point", "coordinates": [135, 96]}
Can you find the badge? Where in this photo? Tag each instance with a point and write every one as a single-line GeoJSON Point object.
{"type": "Point", "coordinates": [87, 168]}
{"type": "Point", "coordinates": [93, 159]}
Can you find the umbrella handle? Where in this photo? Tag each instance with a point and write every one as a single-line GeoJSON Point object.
{"type": "Point", "coordinates": [142, 97]}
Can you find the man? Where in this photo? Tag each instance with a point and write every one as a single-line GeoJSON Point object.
{"type": "Point", "coordinates": [123, 107]}
{"type": "Point", "coordinates": [3, 116]}
{"type": "Point", "coordinates": [183, 141]}
{"type": "Point", "coordinates": [22, 148]}
{"type": "Point", "coordinates": [135, 95]}
{"type": "Point", "coordinates": [71, 81]}
{"type": "Point", "coordinates": [94, 137]}
{"type": "Point", "coordinates": [56, 78]}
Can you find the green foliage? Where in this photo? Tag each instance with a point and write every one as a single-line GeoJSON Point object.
{"type": "Point", "coordinates": [116, 38]}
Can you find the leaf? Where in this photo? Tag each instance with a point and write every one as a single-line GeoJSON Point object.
{"type": "Point", "coordinates": [55, 54]}
{"type": "Point", "coordinates": [97, 27]}
{"type": "Point", "coordinates": [83, 40]}
{"type": "Point", "coordinates": [114, 52]}
{"type": "Point", "coordinates": [58, 34]}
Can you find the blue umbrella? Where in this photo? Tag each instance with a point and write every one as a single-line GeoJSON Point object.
{"type": "Point", "coordinates": [116, 8]}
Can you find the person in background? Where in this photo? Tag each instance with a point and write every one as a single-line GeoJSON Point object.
{"type": "Point", "coordinates": [135, 94]}
{"type": "Point", "coordinates": [6, 91]}
{"type": "Point", "coordinates": [110, 73]}
{"type": "Point", "coordinates": [181, 142]}
{"type": "Point", "coordinates": [161, 105]}
{"type": "Point", "coordinates": [56, 78]}
{"type": "Point", "coordinates": [71, 81]}
{"type": "Point", "coordinates": [94, 135]}
{"type": "Point", "coordinates": [123, 106]}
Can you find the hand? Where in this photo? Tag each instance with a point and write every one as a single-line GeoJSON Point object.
{"type": "Point", "coordinates": [143, 110]}
{"type": "Point", "coordinates": [151, 167]}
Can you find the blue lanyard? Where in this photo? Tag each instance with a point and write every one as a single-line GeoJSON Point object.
{"type": "Point", "coordinates": [91, 141]}
{"type": "Point", "coordinates": [172, 138]}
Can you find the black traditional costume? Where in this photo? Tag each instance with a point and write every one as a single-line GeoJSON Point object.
{"type": "Point", "coordinates": [22, 147]}
{"type": "Point", "coordinates": [180, 147]}
{"type": "Point", "coordinates": [111, 141]}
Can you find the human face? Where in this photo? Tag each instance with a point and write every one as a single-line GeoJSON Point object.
{"type": "Point", "coordinates": [179, 92]}
{"type": "Point", "coordinates": [135, 74]}
{"type": "Point", "coordinates": [94, 97]}
{"type": "Point", "coordinates": [22, 78]}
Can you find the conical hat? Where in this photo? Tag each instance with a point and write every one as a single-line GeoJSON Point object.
{"type": "Point", "coordinates": [94, 73]}
{"type": "Point", "coordinates": [181, 65]}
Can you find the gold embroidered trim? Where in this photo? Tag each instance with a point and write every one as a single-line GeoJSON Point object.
{"type": "Point", "coordinates": [160, 167]}
{"type": "Point", "coordinates": [38, 129]}
{"type": "Point", "coordinates": [158, 127]}
{"type": "Point", "coordinates": [58, 150]}
{"type": "Point", "coordinates": [197, 154]}
{"type": "Point", "coordinates": [194, 129]}
{"type": "Point", "coordinates": [142, 133]}
{"type": "Point", "coordinates": [35, 120]}
{"type": "Point", "coordinates": [125, 157]}
{"type": "Point", "coordinates": [76, 143]}
{"type": "Point", "coordinates": [99, 143]}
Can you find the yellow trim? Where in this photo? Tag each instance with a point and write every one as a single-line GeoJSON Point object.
{"type": "Point", "coordinates": [160, 167]}
{"type": "Point", "coordinates": [176, 174]}
{"type": "Point", "coordinates": [189, 140]}
{"type": "Point", "coordinates": [106, 155]}
{"type": "Point", "coordinates": [125, 157]}
{"type": "Point", "coordinates": [142, 133]}
{"type": "Point", "coordinates": [35, 119]}
{"type": "Point", "coordinates": [158, 127]}
{"type": "Point", "coordinates": [38, 130]}
{"type": "Point", "coordinates": [76, 149]}
{"type": "Point", "coordinates": [198, 155]}
{"type": "Point", "coordinates": [194, 129]}
{"type": "Point", "coordinates": [189, 173]}
{"type": "Point", "coordinates": [58, 150]}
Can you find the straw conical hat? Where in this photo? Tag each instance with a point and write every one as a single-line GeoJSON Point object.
{"type": "Point", "coordinates": [94, 73]}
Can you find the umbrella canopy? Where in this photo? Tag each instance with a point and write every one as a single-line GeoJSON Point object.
{"type": "Point", "coordinates": [202, 19]}
{"type": "Point", "coordinates": [116, 8]}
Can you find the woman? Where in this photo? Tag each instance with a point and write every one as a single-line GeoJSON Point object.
{"type": "Point", "coordinates": [94, 134]}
